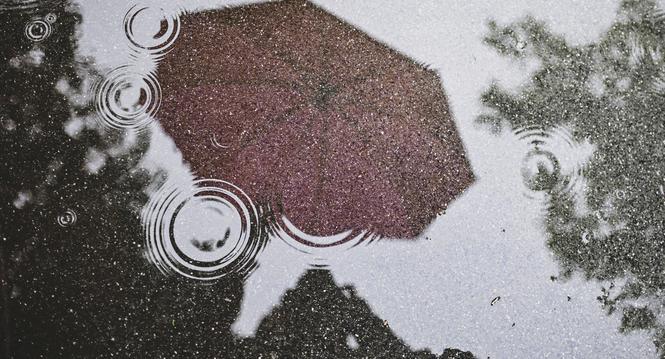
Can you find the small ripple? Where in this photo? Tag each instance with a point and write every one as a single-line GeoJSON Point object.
{"type": "Point", "coordinates": [51, 18]}
{"type": "Point", "coordinates": [587, 237]}
{"type": "Point", "coordinates": [151, 30]}
{"type": "Point", "coordinates": [38, 29]}
{"type": "Point", "coordinates": [205, 232]}
{"type": "Point", "coordinates": [553, 164]}
{"type": "Point", "coordinates": [216, 144]}
{"type": "Point", "coordinates": [127, 98]}
{"type": "Point", "coordinates": [319, 249]}
{"type": "Point", "coordinates": [67, 218]}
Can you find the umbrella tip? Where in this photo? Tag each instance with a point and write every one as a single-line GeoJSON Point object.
{"type": "Point", "coordinates": [426, 66]}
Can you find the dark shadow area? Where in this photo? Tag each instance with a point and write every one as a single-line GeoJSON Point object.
{"type": "Point", "coordinates": [319, 319]}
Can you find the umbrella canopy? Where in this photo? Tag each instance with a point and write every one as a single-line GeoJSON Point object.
{"type": "Point", "coordinates": [312, 117]}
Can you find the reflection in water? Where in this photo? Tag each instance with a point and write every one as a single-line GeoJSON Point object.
{"type": "Point", "coordinates": [340, 136]}
{"type": "Point", "coordinates": [74, 279]}
{"type": "Point", "coordinates": [608, 93]}
{"type": "Point", "coordinates": [205, 232]}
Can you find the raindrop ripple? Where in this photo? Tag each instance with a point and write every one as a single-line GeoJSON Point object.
{"type": "Point", "coordinates": [173, 216]}
{"type": "Point", "coordinates": [127, 98]}
{"type": "Point", "coordinates": [155, 45]}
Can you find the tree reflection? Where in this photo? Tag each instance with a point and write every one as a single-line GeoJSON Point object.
{"type": "Point", "coordinates": [610, 93]}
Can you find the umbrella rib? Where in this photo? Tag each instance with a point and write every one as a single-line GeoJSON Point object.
{"type": "Point", "coordinates": [274, 122]}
